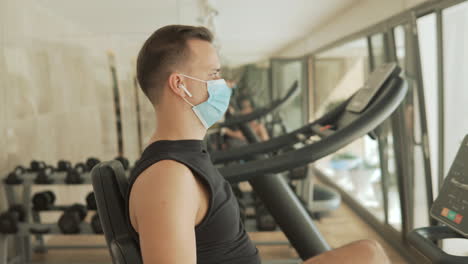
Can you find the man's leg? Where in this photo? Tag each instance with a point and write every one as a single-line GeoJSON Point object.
{"type": "Point", "coordinates": [362, 252]}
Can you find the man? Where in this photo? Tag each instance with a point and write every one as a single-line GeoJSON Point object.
{"type": "Point", "coordinates": [181, 210]}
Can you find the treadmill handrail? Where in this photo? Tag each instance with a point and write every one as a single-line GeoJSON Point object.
{"type": "Point", "coordinates": [239, 119]}
{"type": "Point", "coordinates": [279, 142]}
{"type": "Point", "coordinates": [311, 129]}
{"type": "Point", "coordinates": [380, 109]}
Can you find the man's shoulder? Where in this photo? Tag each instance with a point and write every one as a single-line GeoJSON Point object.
{"type": "Point", "coordinates": [167, 172]}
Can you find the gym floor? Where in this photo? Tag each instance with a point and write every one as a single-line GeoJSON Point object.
{"type": "Point", "coordinates": [340, 227]}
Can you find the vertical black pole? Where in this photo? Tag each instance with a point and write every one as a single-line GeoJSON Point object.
{"type": "Point", "coordinates": [118, 116]}
{"type": "Point", "coordinates": [287, 209]}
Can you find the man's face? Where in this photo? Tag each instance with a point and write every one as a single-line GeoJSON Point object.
{"type": "Point", "coordinates": [203, 64]}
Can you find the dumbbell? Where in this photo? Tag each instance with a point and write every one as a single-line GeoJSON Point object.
{"type": "Point", "coordinates": [19, 170]}
{"type": "Point", "coordinates": [264, 220]}
{"type": "Point", "coordinates": [43, 200]}
{"type": "Point", "coordinates": [69, 222]}
{"type": "Point", "coordinates": [75, 175]}
{"type": "Point", "coordinates": [9, 220]}
{"type": "Point", "coordinates": [124, 161]}
{"type": "Point", "coordinates": [96, 224]}
{"type": "Point", "coordinates": [91, 201]}
{"type": "Point", "coordinates": [14, 176]}
{"type": "Point", "coordinates": [44, 176]}
{"type": "Point", "coordinates": [91, 162]}
{"type": "Point", "coordinates": [36, 166]}
{"type": "Point", "coordinates": [63, 165]}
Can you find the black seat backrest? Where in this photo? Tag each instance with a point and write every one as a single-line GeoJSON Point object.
{"type": "Point", "coordinates": [110, 187]}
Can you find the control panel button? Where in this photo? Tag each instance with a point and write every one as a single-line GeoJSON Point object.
{"type": "Point", "coordinates": [451, 215]}
{"type": "Point", "coordinates": [458, 218]}
{"type": "Point", "coordinates": [444, 212]}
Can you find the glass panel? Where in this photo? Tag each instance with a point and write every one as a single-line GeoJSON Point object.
{"type": "Point", "coordinates": [394, 205]}
{"type": "Point", "coordinates": [356, 168]}
{"type": "Point", "coordinates": [455, 21]}
{"type": "Point", "coordinates": [399, 36]}
{"type": "Point", "coordinates": [339, 73]}
{"type": "Point", "coordinates": [392, 194]}
{"type": "Point", "coordinates": [455, 41]}
{"type": "Point", "coordinates": [420, 210]}
{"type": "Point", "coordinates": [378, 49]}
{"type": "Point", "coordinates": [285, 73]}
{"type": "Point", "coordinates": [254, 83]}
{"type": "Point", "coordinates": [427, 35]}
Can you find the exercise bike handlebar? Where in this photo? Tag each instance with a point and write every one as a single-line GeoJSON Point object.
{"type": "Point", "coordinates": [422, 239]}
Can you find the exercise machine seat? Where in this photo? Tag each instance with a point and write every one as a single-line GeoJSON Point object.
{"type": "Point", "coordinates": [110, 187]}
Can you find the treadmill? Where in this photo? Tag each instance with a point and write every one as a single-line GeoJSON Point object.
{"type": "Point", "coordinates": [450, 209]}
{"type": "Point", "coordinates": [358, 116]}
{"type": "Point", "coordinates": [318, 199]}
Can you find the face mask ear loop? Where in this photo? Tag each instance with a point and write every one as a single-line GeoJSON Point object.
{"type": "Point", "coordinates": [188, 102]}
{"type": "Point", "coordinates": [185, 90]}
{"type": "Point", "coordinates": [193, 78]}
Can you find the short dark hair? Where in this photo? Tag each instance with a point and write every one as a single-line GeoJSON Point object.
{"type": "Point", "coordinates": [162, 51]}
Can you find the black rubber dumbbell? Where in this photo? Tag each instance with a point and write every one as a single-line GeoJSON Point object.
{"type": "Point", "coordinates": [124, 161]}
{"type": "Point", "coordinates": [91, 162]}
{"type": "Point", "coordinates": [13, 178]}
{"type": "Point", "coordinates": [96, 224]}
{"type": "Point", "coordinates": [43, 200]}
{"type": "Point", "coordinates": [264, 220]}
{"type": "Point", "coordinates": [71, 219]}
{"type": "Point", "coordinates": [75, 175]}
{"type": "Point", "coordinates": [44, 176]}
{"type": "Point", "coordinates": [91, 201]}
{"type": "Point", "coordinates": [63, 165]}
{"type": "Point", "coordinates": [36, 166]}
{"type": "Point", "coordinates": [19, 170]}
{"type": "Point", "coordinates": [9, 220]}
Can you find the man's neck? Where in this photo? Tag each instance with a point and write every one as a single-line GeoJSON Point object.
{"type": "Point", "coordinates": [177, 126]}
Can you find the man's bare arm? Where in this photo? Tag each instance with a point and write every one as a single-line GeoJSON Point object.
{"type": "Point", "coordinates": [164, 202]}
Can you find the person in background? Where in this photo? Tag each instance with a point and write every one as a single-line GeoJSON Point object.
{"type": "Point", "coordinates": [257, 127]}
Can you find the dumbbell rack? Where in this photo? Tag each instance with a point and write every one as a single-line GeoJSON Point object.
{"type": "Point", "coordinates": [32, 225]}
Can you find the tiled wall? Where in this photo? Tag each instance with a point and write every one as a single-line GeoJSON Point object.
{"type": "Point", "coordinates": [56, 99]}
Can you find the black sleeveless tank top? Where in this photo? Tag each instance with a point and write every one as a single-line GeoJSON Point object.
{"type": "Point", "coordinates": [220, 237]}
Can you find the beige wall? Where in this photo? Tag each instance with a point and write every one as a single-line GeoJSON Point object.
{"type": "Point", "coordinates": [56, 99]}
{"type": "Point", "coordinates": [364, 14]}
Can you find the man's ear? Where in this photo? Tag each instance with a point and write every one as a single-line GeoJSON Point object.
{"type": "Point", "coordinates": [176, 85]}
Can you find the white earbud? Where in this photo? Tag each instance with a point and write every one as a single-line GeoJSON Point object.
{"type": "Point", "coordinates": [181, 86]}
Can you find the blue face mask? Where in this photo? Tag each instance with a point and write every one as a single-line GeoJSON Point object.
{"type": "Point", "coordinates": [213, 109]}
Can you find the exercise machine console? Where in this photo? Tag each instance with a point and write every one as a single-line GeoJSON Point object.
{"type": "Point", "coordinates": [451, 209]}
